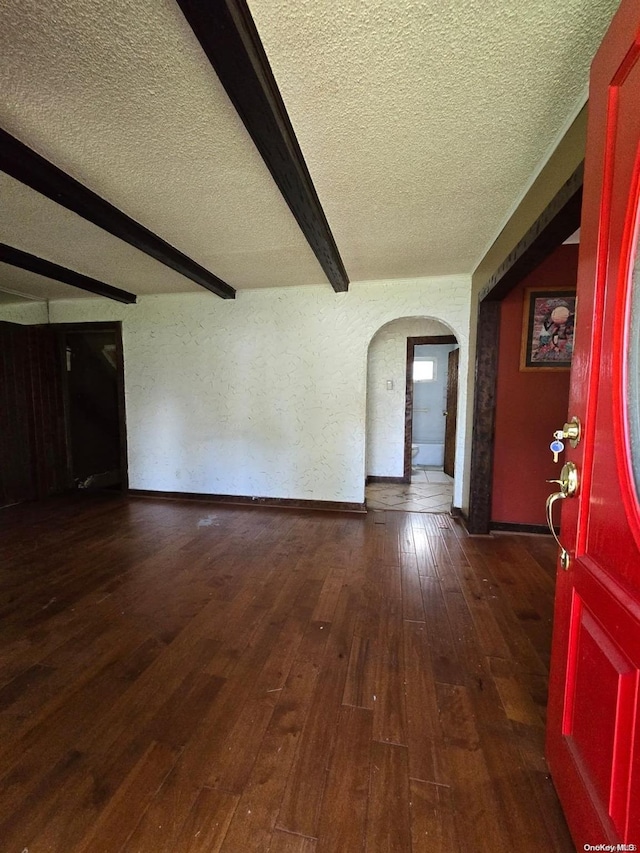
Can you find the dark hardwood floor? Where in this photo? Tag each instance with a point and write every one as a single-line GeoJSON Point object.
{"type": "Point", "coordinates": [178, 677]}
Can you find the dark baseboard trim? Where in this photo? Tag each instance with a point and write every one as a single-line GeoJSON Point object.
{"type": "Point", "coordinates": [246, 500]}
{"type": "Point", "coordinates": [510, 527]}
{"type": "Point", "coordinates": [456, 512]}
{"type": "Point", "coordinates": [373, 479]}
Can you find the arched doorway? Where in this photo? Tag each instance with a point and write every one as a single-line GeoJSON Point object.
{"type": "Point", "coordinates": [406, 416]}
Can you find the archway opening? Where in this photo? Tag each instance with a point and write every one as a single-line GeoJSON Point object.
{"type": "Point", "coordinates": [409, 395]}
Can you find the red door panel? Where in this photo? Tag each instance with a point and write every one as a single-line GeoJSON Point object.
{"type": "Point", "coordinates": [593, 734]}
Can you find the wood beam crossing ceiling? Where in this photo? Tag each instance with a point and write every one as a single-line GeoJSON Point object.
{"type": "Point", "coordinates": [229, 38]}
{"type": "Point", "coordinates": [556, 223]}
{"type": "Point", "coordinates": [26, 261]}
{"type": "Point", "coordinates": [25, 165]}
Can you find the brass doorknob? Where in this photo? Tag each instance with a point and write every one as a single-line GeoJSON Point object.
{"type": "Point", "coordinates": [568, 483]}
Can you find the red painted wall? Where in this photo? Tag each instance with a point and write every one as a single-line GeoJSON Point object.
{"type": "Point", "coordinates": [530, 406]}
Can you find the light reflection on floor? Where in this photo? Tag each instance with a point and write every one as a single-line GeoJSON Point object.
{"type": "Point", "coordinates": [431, 490]}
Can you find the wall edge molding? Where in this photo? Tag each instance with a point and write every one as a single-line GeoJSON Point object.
{"type": "Point", "coordinates": [249, 500]}
{"type": "Point", "coordinates": [513, 527]}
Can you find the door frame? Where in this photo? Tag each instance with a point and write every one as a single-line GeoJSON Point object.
{"type": "Point", "coordinates": [558, 221]}
{"type": "Point", "coordinates": [412, 343]}
{"type": "Point", "coordinates": [62, 329]}
{"type": "Point", "coordinates": [451, 413]}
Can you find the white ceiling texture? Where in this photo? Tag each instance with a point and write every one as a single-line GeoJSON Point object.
{"type": "Point", "coordinates": [421, 123]}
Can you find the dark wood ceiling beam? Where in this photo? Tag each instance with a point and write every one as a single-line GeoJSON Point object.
{"type": "Point", "coordinates": [18, 258]}
{"type": "Point", "coordinates": [23, 164]}
{"type": "Point", "coordinates": [558, 221]}
{"type": "Point", "coordinates": [229, 38]}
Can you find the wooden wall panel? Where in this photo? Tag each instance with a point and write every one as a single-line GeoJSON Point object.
{"type": "Point", "coordinates": [33, 457]}
{"type": "Point", "coordinates": [16, 482]}
{"type": "Point", "coordinates": [47, 418]}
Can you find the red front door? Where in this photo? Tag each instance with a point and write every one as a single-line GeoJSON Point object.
{"type": "Point", "coordinates": [593, 735]}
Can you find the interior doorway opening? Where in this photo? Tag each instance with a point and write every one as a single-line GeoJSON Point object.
{"type": "Point", "coordinates": [558, 223]}
{"type": "Point", "coordinates": [431, 399]}
{"type": "Point", "coordinates": [390, 482]}
{"type": "Point", "coordinates": [93, 388]}
{"type": "Point", "coordinates": [63, 418]}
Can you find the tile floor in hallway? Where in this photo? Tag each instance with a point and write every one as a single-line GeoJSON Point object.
{"type": "Point", "coordinates": [430, 490]}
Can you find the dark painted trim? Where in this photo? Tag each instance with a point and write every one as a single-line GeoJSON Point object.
{"type": "Point", "coordinates": [412, 343]}
{"type": "Point", "coordinates": [64, 382]}
{"type": "Point", "coordinates": [451, 412]}
{"type": "Point", "coordinates": [484, 411]}
{"type": "Point", "coordinates": [25, 261]}
{"type": "Point", "coordinates": [372, 478]}
{"type": "Point", "coordinates": [509, 527]}
{"type": "Point", "coordinates": [558, 221]}
{"type": "Point", "coordinates": [92, 326]}
{"type": "Point", "coordinates": [408, 412]}
{"type": "Point", "coordinates": [246, 500]}
{"type": "Point", "coordinates": [433, 339]}
{"type": "Point", "coordinates": [23, 164]}
{"type": "Point", "coordinates": [229, 38]}
{"type": "Point", "coordinates": [122, 410]}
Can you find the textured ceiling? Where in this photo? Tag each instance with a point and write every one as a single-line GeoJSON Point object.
{"type": "Point", "coordinates": [33, 223]}
{"type": "Point", "coordinates": [421, 124]}
{"type": "Point", "coordinates": [7, 296]}
{"type": "Point", "coordinates": [119, 95]}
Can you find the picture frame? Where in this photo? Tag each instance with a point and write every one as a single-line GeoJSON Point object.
{"type": "Point", "coordinates": [548, 321]}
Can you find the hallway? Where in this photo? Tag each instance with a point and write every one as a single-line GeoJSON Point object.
{"type": "Point", "coordinates": [181, 676]}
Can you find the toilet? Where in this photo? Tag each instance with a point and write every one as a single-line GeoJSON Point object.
{"type": "Point", "coordinates": [415, 449]}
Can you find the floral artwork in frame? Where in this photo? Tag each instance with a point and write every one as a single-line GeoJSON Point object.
{"type": "Point", "coordinates": [547, 328]}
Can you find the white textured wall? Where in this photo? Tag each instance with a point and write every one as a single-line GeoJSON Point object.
{"type": "Point", "coordinates": [27, 313]}
{"type": "Point", "coordinates": [262, 395]}
{"type": "Point", "coordinates": [385, 409]}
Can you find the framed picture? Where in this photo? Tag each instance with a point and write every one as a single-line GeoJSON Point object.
{"type": "Point", "coordinates": [547, 328]}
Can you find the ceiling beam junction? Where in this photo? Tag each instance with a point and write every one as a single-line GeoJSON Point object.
{"type": "Point", "coordinates": [23, 164]}
{"type": "Point", "coordinates": [555, 224]}
{"type": "Point", "coordinates": [18, 258]}
{"type": "Point", "coordinates": [230, 40]}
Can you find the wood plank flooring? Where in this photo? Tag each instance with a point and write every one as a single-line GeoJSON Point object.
{"type": "Point", "coordinates": [179, 677]}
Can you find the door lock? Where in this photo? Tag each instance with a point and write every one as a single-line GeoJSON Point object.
{"type": "Point", "coordinates": [571, 431]}
{"type": "Point", "coordinates": [568, 483]}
